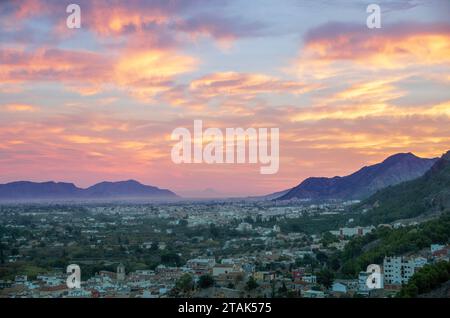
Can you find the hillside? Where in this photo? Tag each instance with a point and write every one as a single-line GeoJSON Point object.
{"type": "Point", "coordinates": [429, 194]}
{"type": "Point", "coordinates": [371, 248]}
{"type": "Point", "coordinates": [366, 181]}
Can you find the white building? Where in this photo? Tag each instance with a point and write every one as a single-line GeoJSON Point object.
{"type": "Point", "coordinates": [436, 247]}
{"type": "Point", "coordinates": [362, 282]}
{"type": "Point", "coordinates": [202, 264]}
{"type": "Point", "coordinates": [224, 269]}
{"type": "Point", "coordinates": [354, 231]}
{"type": "Point", "coordinates": [311, 279]}
{"type": "Point", "coordinates": [339, 287]}
{"type": "Point", "coordinates": [398, 270]}
{"type": "Point", "coordinates": [313, 294]}
{"type": "Point", "coordinates": [243, 227]}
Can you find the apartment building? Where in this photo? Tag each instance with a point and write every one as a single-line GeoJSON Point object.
{"type": "Point", "coordinates": [398, 270]}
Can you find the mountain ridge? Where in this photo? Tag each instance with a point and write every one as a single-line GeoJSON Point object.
{"type": "Point", "coordinates": [364, 182]}
{"type": "Point", "coordinates": [427, 194]}
{"type": "Point", "coordinates": [19, 190]}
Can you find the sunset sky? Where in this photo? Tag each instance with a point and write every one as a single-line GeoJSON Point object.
{"type": "Point", "coordinates": [100, 103]}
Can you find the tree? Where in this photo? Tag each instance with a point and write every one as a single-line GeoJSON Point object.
{"type": "Point", "coordinates": [205, 281]}
{"type": "Point", "coordinates": [321, 257]}
{"type": "Point", "coordinates": [282, 291]}
{"type": "Point", "coordinates": [426, 279]}
{"type": "Point", "coordinates": [214, 231]}
{"type": "Point", "coordinates": [171, 258]}
{"type": "Point", "coordinates": [2, 256]}
{"type": "Point", "coordinates": [154, 246]}
{"type": "Point", "coordinates": [325, 277]}
{"type": "Point", "coordinates": [251, 284]}
{"type": "Point", "coordinates": [328, 238]}
{"type": "Point", "coordinates": [185, 283]}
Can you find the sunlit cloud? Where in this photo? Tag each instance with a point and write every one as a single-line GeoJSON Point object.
{"type": "Point", "coordinates": [100, 103]}
{"type": "Point", "coordinates": [232, 83]}
{"type": "Point", "coordinates": [19, 108]}
{"type": "Point", "coordinates": [334, 48]}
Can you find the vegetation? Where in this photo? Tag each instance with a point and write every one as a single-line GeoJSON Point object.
{"type": "Point", "coordinates": [185, 283]}
{"type": "Point", "coordinates": [251, 284]}
{"type": "Point", "coordinates": [316, 224]}
{"type": "Point", "coordinates": [371, 248]}
{"type": "Point", "coordinates": [426, 279]}
{"type": "Point", "coordinates": [429, 193]}
{"type": "Point", "coordinates": [325, 277]}
{"type": "Point", "coordinates": [205, 281]}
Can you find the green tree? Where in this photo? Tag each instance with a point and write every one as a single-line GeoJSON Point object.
{"type": "Point", "coordinates": [251, 284]}
{"type": "Point", "coordinates": [185, 283]}
{"type": "Point", "coordinates": [282, 291]}
{"type": "Point", "coordinates": [171, 259]}
{"type": "Point", "coordinates": [325, 277]}
{"type": "Point", "coordinates": [426, 279]}
{"type": "Point", "coordinates": [2, 256]}
{"type": "Point", "coordinates": [205, 281]}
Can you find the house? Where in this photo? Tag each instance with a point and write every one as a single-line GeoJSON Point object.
{"type": "Point", "coordinates": [436, 247]}
{"type": "Point", "coordinates": [342, 287]}
{"type": "Point", "coordinates": [244, 227]}
{"type": "Point", "coordinates": [264, 276]}
{"type": "Point", "coordinates": [221, 269]}
{"type": "Point", "coordinates": [309, 278]}
{"type": "Point", "coordinates": [362, 283]}
{"type": "Point", "coordinates": [201, 265]}
{"type": "Point", "coordinates": [313, 294]}
{"type": "Point", "coordinates": [79, 293]}
{"type": "Point", "coordinates": [339, 287]}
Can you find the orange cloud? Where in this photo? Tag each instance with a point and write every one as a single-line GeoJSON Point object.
{"type": "Point", "coordinates": [77, 139]}
{"type": "Point", "coordinates": [150, 72]}
{"type": "Point", "coordinates": [337, 48]}
{"type": "Point", "coordinates": [143, 73]}
{"type": "Point", "coordinates": [427, 44]}
{"type": "Point", "coordinates": [20, 108]}
{"type": "Point", "coordinates": [232, 83]}
{"type": "Point", "coordinates": [370, 110]}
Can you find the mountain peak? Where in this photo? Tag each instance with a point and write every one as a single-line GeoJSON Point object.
{"type": "Point", "coordinates": [364, 182]}
{"type": "Point", "coordinates": [401, 156]}
{"type": "Point", "coordinates": [446, 156]}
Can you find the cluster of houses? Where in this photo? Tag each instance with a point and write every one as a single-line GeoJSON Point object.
{"type": "Point", "coordinates": [395, 272]}
{"type": "Point", "coordinates": [230, 277]}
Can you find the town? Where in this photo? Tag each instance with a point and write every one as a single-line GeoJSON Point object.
{"type": "Point", "coordinates": [238, 248]}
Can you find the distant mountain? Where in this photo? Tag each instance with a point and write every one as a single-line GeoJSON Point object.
{"type": "Point", "coordinates": [361, 184]}
{"type": "Point", "coordinates": [130, 188]}
{"type": "Point", "coordinates": [33, 190]}
{"type": "Point", "coordinates": [23, 190]}
{"type": "Point", "coordinates": [272, 196]}
{"type": "Point", "coordinates": [426, 195]}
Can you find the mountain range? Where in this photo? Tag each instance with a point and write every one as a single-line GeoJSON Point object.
{"type": "Point", "coordinates": [26, 190]}
{"type": "Point", "coordinates": [364, 182]}
{"type": "Point", "coordinates": [356, 186]}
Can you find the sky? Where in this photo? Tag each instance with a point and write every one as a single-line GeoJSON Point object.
{"type": "Point", "coordinates": [100, 102]}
